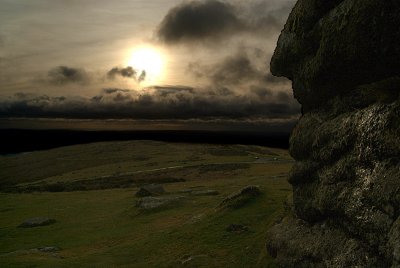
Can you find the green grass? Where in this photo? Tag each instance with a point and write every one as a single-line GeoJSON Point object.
{"type": "Point", "coordinates": [103, 228]}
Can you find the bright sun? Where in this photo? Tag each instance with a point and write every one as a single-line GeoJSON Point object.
{"type": "Point", "coordinates": [149, 60]}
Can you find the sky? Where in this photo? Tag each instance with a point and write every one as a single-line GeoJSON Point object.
{"type": "Point", "coordinates": [153, 62]}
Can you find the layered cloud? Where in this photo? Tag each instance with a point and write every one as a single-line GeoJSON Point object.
{"type": "Point", "coordinates": [157, 103]}
{"type": "Point", "coordinates": [234, 80]}
{"type": "Point", "coordinates": [65, 75]}
{"type": "Point", "coordinates": [241, 77]}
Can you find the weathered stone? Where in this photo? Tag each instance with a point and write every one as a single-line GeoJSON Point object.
{"type": "Point", "coordinates": [297, 243]}
{"type": "Point", "coordinates": [237, 228]}
{"type": "Point", "coordinates": [152, 203]}
{"type": "Point", "coordinates": [49, 249]}
{"type": "Point", "coordinates": [36, 222]}
{"type": "Point", "coordinates": [52, 251]}
{"type": "Point", "coordinates": [204, 192]}
{"type": "Point", "coordinates": [343, 57]}
{"type": "Point", "coordinates": [150, 190]}
{"type": "Point", "coordinates": [240, 198]}
{"type": "Point", "coordinates": [330, 47]}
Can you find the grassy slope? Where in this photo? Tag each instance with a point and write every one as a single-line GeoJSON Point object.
{"type": "Point", "coordinates": [105, 229]}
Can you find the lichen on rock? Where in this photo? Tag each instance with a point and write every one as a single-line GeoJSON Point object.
{"type": "Point", "coordinates": [343, 57]}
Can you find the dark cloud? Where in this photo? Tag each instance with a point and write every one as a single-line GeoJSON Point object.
{"type": "Point", "coordinates": [251, 87]}
{"type": "Point", "coordinates": [157, 103]}
{"type": "Point", "coordinates": [261, 92]}
{"type": "Point", "coordinates": [124, 72]}
{"type": "Point", "coordinates": [235, 70]}
{"type": "Point", "coordinates": [142, 76]}
{"type": "Point", "coordinates": [113, 90]}
{"type": "Point", "coordinates": [62, 75]}
{"type": "Point", "coordinates": [127, 72]}
{"type": "Point", "coordinates": [164, 91]}
{"type": "Point", "coordinates": [196, 21]}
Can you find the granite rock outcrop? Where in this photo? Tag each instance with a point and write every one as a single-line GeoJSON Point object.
{"type": "Point", "coordinates": [343, 57]}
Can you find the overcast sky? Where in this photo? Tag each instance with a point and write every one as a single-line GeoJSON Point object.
{"type": "Point", "coordinates": [74, 59]}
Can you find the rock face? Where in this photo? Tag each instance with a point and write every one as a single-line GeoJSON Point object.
{"type": "Point", "coordinates": [343, 57]}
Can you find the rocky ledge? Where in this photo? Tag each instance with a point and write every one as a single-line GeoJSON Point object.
{"type": "Point", "coordinates": [343, 57]}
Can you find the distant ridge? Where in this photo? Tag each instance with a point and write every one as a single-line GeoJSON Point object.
{"type": "Point", "coordinates": [23, 140]}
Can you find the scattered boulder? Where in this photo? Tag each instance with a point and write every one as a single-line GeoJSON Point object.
{"type": "Point", "coordinates": [237, 228]}
{"type": "Point", "coordinates": [150, 190]}
{"type": "Point", "coordinates": [152, 203]}
{"type": "Point", "coordinates": [49, 249]}
{"type": "Point", "coordinates": [196, 218]}
{"type": "Point", "coordinates": [204, 192]}
{"type": "Point", "coordinates": [240, 198]}
{"type": "Point", "coordinates": [36, 222]}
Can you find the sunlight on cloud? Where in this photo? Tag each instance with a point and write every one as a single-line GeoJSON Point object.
{"type": "Point", "coordinates": [148, 61]}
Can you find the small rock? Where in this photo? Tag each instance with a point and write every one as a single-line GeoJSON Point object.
{"type": "Point", "coordinates": [237, 228]}
{"type": "Point", "coordinates": [204, 192]}
{"type": "Point", "coordinates": [49, 249]}
{"type": "Point", "coordinates": [191, 189]}
{"type": "Point", "coordinates": [36, 222]}
{"type": "Point", "coordinates": [150, 203]}
{"type": "Point", "coordinates": [240, 198]}
{"type": "Point", "coordinates": [150, 190]}
{"type": "Point", "coordinates": [196, 218]}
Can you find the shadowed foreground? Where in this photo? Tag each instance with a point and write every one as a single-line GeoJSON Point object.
{"type": "Point", "coordinates": [89, 190]}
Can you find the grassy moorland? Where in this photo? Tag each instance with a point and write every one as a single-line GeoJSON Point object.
{"type": "Point", "coordinates": [90, 191]}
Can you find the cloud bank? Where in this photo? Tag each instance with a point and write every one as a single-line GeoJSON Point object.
{"type": "Point", "coordinates": [156, 103]}
{"type": "Point", "coordinates": [237, 87]}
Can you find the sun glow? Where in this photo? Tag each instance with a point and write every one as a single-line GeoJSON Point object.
{"type": "Point", "coordinates": [149, 60]}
